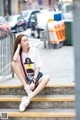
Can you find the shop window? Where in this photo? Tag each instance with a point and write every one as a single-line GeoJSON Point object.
{"type": "Point", "coordinates": [49, 2]}
{"type": "Point", "coordinates": [40, 2]}
{"type": "Point", "coordinates": [25, 1]}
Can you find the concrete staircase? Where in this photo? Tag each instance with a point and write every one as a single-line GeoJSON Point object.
{"type": "Point", "coordinates": [55, 102]}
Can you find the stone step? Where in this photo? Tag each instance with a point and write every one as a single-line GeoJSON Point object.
{"type": "Point", "coordinates": [49, 89]}
{"type": "Point", "coordinates": [29, 114]}
{"type": "Point", "coordinates": [40, 101]}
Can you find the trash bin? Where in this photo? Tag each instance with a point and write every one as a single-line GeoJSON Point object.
{"type": "Point", "coordinates": [68, 32]}
{"type": "Point", "coordinates": [44, 37]}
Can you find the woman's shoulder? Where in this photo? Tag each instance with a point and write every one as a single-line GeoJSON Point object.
{"type": "Point", "coordinates": [33, 49]}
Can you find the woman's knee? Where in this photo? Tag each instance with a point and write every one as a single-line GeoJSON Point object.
{"type": "Point", "coordinates": [46, 78]}
{"type": "Point", "coordinates": [14, 64]}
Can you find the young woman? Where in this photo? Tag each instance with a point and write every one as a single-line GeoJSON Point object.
{"type": "Point", "coordinates": [26, 64]}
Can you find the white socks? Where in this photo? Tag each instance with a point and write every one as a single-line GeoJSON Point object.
{"type": "Point", "coordinates": [28, 91]}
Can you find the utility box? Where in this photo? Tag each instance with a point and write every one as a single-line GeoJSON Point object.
{"type": "Point", "coordinates": [68, 32]}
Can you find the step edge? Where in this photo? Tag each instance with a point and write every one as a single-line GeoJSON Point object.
{"type": "Point", "coordinates": [41, 114]}
{"type": "Point", "coordinates": [49, 85]}
{"type": "Point", "coordinates": [40, 99]}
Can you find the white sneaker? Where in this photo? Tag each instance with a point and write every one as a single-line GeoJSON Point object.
{"type": "Point", "coordinates": [28, 91]}
{"type": "Point", "coordinates": [24, 103]}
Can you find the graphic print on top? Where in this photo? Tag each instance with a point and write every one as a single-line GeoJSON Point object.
{"type": "Point", "coordinates": [28, 66]}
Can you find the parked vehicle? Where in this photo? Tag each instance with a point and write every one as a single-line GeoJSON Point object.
{"type": "Point", "coordinates": [27, 14]}
{"type": "Point", "coordinates": [41, 25]}
{"type": "Point", "coordinates": [16, 22]}
{"type": "Point", "coordinates": [3, 27]}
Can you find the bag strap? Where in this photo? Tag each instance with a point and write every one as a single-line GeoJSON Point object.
{"type": "Point", "coordinates": [25, 72]}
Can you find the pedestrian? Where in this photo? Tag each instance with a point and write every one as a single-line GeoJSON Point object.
{"type": "Point", "coordinates": [34, 26]}
{"type": "Point", "coordinates": [26, 64]}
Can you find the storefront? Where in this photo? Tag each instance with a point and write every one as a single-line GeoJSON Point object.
{"type": "Point", "coordinates": [10, 7]}
{"type": "Point", "coordinates": [1, 8]}
{"type": "Point", "coordinates": [7, 7]}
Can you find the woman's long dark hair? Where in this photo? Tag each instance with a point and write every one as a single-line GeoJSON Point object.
{"type": "Point", "coordinates": [18, 41]}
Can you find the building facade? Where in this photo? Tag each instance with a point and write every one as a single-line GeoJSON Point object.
{"type": "Point", "coordinates": [46, 3]}
{"type": "Point", "coordinates": [11, 7]}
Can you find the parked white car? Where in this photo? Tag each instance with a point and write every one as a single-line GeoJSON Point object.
{"type": "Point", "coordinates": [42, 19]}
{"type": "Point", "coordinates": [27, 15]}
{"type": "Point", "coordinates": [17, 23]}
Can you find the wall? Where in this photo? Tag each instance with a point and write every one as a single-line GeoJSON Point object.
{"type": "Point", "coordinates": [1, 8]}
{"type": "Point", "coordinates": [14, 6]}
{"type": "Point", "coordinates": [34, 4]}
{"type": "Point", "coordinates": [45, 3]}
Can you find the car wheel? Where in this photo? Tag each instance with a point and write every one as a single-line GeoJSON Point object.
{"type": "Point", "coordinates": [17, 29]}
{"type": "Point", "coordinates": [24, 27]}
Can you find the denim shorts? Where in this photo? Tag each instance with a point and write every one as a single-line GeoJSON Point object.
{"type": "Point", "coordinates": [40, 74]}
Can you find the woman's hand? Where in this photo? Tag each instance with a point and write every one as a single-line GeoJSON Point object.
{"type": "Point", "coordinates": [19, 46]}
{"type": "Point", "coordinates": [32, 86]}
{"type": "Point", "coordinates": [16, 54]}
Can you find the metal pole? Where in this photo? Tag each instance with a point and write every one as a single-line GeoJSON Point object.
{"type": "Point", "coordinates": [76, 39]}
{"type": "Point", "coordinates": [1, 8]}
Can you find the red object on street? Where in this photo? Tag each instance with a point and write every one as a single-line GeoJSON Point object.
{"type": "Point", "coordinates": [3, 24]}
{"type": "Point", "coordinates": [3, 27]}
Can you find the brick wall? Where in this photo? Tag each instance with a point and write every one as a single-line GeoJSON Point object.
{"type": "Point", "coordinates": [46, 2]}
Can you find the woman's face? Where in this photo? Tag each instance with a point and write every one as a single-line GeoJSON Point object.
{"type": "Point", "coordinates": [24, 42]}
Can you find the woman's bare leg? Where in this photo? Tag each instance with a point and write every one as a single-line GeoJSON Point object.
{"type": "Point", "coordinates": [19, 72]}
{"type": "Point", "coordinates": [42, 83]}
{"type": "Point", "coordinates": [26, 100]}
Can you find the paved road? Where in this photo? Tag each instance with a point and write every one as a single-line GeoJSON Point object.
{"type": "Point", "coordinates": [58, 63]}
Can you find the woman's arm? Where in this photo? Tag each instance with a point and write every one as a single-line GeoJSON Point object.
{"type": "Point", "coordinates": [16, 54]}
{"type": "Point", "coordinates": [36, 73]}
{"type": "Point", "coordinates": [32, 85]}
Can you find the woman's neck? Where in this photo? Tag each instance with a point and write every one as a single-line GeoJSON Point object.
{"type": "Point", "coordinates": [26, 50]}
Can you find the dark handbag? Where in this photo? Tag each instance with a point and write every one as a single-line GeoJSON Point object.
{"type": "Point", "coordinates": [40, 74]}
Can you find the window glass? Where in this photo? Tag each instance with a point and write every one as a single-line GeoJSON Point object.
{"type": "Point", "coordinates": [66, 7]}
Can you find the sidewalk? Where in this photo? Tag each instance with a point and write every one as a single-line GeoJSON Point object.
{"type": "Point", "coordinates": [58, 63]}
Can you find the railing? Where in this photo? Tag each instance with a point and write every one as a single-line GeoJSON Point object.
{"type": "Point", "coordinates": [6, 45]}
